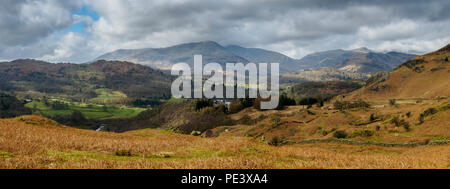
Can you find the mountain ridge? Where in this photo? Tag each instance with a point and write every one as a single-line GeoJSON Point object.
{"type": "Point", "coordinates": [355, 60]}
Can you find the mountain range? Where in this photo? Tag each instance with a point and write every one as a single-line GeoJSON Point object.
{"type": "Point", "coordinates": [360, 60]}
{"type": "Point", "coordinates": [116, 74]}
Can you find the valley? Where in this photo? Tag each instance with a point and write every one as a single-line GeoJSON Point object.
{"type": "Point", "coordinates": [396, 119]}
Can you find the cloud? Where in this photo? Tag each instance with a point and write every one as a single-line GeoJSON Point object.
{"type": "Point", "coordinates": [68, 47]}
{"type": "Point", "coordinates": [24, 22]}
{"type": "Point", "coordinates": [293, 27]}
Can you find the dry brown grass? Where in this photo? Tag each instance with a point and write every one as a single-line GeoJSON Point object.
{"type": "Point", "coordinates": [35, 142]}
{"type": "Point", "coordinates": [297, 124]}
{"type": "Point", "coordinates": [431, 82]}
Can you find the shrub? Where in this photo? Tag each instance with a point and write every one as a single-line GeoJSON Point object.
{"type": "Point", "coordinates": [286, 101]}
{"type": "Point", "coordinates": [426, 113]}
{"type": "Point", "coordinates": [235, 106]}
{"type": "Point", "coordinates": [202, 103]}
{"type": "Point", "coordinates": [275, 141]}
{"type": "Point", "coordinates": [430, 111]}
{"type": "Point", "coordinates": [340, 134]}
{"type": "Point", "coordinates": [396, 121]}
{"type": "Point", "coordinates": [406, 126]}
{"type": "Point", "coordinates": [372, 117]}
{"type": "Point", "coordinates": [408, 114]}
{"type": "Point", "coordinates": [400, 122]}
{"type": "Point", "coordinates": [421, 119]}
{"type": "Point", "coordinates": [123, 153]}
{"type": "Point", "coordinates": [392, 102]}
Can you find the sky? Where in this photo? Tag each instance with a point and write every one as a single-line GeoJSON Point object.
{"type": "Point", "coordinates": [80, 30]}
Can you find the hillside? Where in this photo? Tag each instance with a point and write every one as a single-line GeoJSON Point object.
{"type": "Point", "coordinates": [426, 76]}
{"type": "Point", "coordinates": [32, 142]}
{"type": "Point", "coordinates": [320, 74]}
{"type": "Point", "coordinates": [164, 58]}
{"type": "Point", "coordinates": [257, 55]}
{"type": "Point", "coordinates": [407, 107]}
{"type": "Point", "coordinates": [321, 90]}
{"type": "Point", "coordinates": [81, 82]}
{"type": "Point", "coordinates": [360, 60]}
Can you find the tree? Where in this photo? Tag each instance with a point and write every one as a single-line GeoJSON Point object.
{"type": "Point", "coordinates": [77, 117]}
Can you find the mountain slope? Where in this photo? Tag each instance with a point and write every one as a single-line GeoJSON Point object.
{"type": "Point", "coordinates": [164, 58]}
{"type": "Point", "coordinates": [257, 55]}
{"type": "Point", "coordinates": [320, 74]}
{"type": "Point", "coordinates": [426, 76]}
{"type": "Point", "coordinates": [80, 81]}
{"type": "Point", "coordinates": [360, 60]}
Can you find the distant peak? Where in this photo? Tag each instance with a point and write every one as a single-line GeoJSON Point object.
{"type": "Point", "coordinates": [362, 50]}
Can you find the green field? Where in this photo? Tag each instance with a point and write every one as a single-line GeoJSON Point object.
{"type": "Point", "coordinates": [89, 110]}
{"type": "Point", "coordinates": [107, 96]}
{"type": "Point", "coordinates": [176, 100]}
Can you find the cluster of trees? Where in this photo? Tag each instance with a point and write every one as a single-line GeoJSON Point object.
{"type": "Point", "coordinates": [310, 93]}
{"type": "Point", "coordinates": [75, 119]}
{"type": "Point", "coordinates": [146, 102]}
{"type": "Point", "coordinates": [11, 107]}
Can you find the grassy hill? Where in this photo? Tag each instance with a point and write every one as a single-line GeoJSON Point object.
{"type": "Point", "coordinates": [409, 106]}
{"type": "Point", "coordinates": [422, 77]}
{"type": "Point", "coordinates": [34, 142]}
